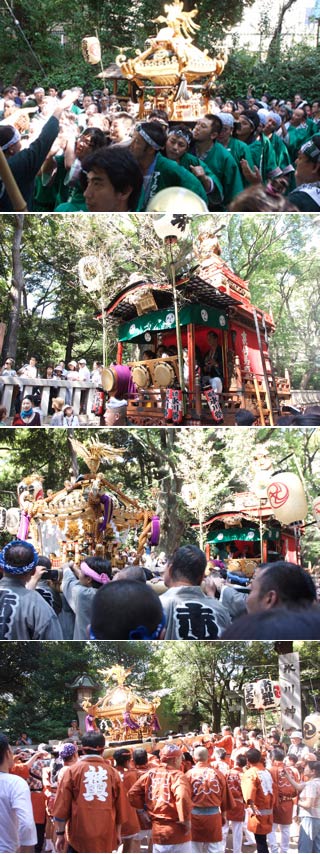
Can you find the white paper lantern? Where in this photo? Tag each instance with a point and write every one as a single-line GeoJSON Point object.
{"type": "Point", "coordinates": [13, 520]}
{"type": "Point", "coordinates": [91, 49]}
{"type": "Point", "coordinates": [316, 510]}
{"type": "Point", "coordinates": [311, 729]}
{"type": "Point", "coordinates": [287, 497]}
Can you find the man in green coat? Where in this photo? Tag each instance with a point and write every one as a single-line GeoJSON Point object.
{"type": "Point", "coordinates": [248, 130]}
{"type": "Point", "coordinates": [217, 158]}
{"type": "Point", "coordinates": [240, 150]}
{"type": "Point", "coordinates": [158, 172]}
{"type": "Point", "coordinates": [177, 148]}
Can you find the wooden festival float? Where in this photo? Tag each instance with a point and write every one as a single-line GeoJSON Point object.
{"type": "Point", "coordinates": [211, 298]}
{"type": "Point", "coordinates": [171, 73]}
{"type": "Point", "coordinates": [91, 516]}
{"type": "Point", "coordinates": [123, 713]}
{"type": "Point", "coordinates": [262, 525]}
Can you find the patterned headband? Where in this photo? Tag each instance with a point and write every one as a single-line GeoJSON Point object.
{"type": "Point", "coordinates": [311, 150]}
{"type": "Point", "coordinates": [15, 138]}
{"type": "Point", "coordinates": [178, 132]}
{"type": "Point", "coordinates": [18, 570]}
{"type": "Point", "coordinates": [147, 138]}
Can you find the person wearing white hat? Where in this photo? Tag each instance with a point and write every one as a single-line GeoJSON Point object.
{"type": "Point", "coordinates": [115, 413]}
{"type": "Point", "coordinates": [69, 418]}
{"type": "Point", "coordinates": [296, 744]}
{"type": "Point", "coordinates": [240, 150]}
{"type": "Point", "coordinates": [84, 373]}
{"type": "Point", "coordinates": [271, 124]}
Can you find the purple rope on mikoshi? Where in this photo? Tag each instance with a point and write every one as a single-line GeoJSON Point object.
{"type": "Point", "coordinates": [125, 387]}
{"type": "Point", "coordinates": [23, 526]}
{"type": "Point", "coordinates": [89, 722]}
{"type": "Point", "coordinates": [107, 511]}
{"type": "Point", "coordinates": [155, 531]}
{"type": "Point", "coordinates": [129, 722]}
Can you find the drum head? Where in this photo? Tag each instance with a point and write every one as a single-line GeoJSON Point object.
{"type": "Point", "coordinates": [108, 379]}
{"type": "Point", "coordinates": [141, 376]}
{"type": "Point", "coordinates": [163, 374]}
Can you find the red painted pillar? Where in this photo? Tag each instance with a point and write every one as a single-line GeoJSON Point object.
{"type": "Point", "coordinates": [119, 353]}
{"type": "Point", "coordinates": [191, 357]}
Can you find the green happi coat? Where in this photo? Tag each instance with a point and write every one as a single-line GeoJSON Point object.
{"type": "Point", "coordinates": [296, 138]}
{"type": "Point", "coordinates": [167, 173]}
{"type": "Point", "coordinates": [264, 158]}
{"type": "Point", "coordinates": [283, 159]}
{"type": "Point", "coordinates": [215, 199]}
{"type": "Point", "coordinates": [223, 164]}
{"type": "Point", "coordinates": [240, 151]}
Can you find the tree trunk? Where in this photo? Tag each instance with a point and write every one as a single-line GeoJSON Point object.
{"type": "Point", "coordinates": [72, 326]}
{"type": "Point", "coordinates": [171, 527]}
{"type": "Point", "coordinates": [16, 292]}
{"type": "Point", "coordinates": [274, 46]}
{"type": "Point", "coordinates": [73, 455]}
{"type": "Point", "coordinates": [305, 379]}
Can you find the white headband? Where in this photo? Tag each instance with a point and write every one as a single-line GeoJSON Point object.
{"type": "Point", "coordinates": [15, 138]}
{"type": "Point", "coordinates": [147, 138]}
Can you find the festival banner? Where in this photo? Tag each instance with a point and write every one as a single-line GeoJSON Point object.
{"type": "Point", "coordinates": [289, 678]}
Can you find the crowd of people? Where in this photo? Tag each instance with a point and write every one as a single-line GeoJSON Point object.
{"type": "Point", "coordinates": [27, 411]}
{"type": "Point", "coordinates": [90, 152]}
{"type": "Point", "coordinates": [204, 791]}
{"type": "Point", "coordinates": [179, 598]}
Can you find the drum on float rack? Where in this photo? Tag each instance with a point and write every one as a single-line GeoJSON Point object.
{"type": "Point", "coordinates": [163, 374]}
{"type": "Point", "coordinates": [141, 376]}
{"type": "Point", "coordinates": [109, 380]}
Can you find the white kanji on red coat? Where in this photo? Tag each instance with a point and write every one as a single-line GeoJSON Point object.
{"type": "Point", "coordinates": [95, 780]}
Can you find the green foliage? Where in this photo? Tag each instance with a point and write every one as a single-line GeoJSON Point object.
{"type": "Point", "coordinates": [35, 679]}
{"type": "Point", "coordinates": [294, 69]}
{"type": "Point", "coordinates": [35, 693]}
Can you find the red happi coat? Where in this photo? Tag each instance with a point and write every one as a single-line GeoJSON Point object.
{"type": "Point", "coordinates": [285, 793]}
{"type": "Point", "coordinates": [208, 789]}
{"type": "Point", "coordinates": [233, 779]}
{"type": "Point", "coordinates": [165, 792]}
{"type": "Point", "coordinates": [255, 787]}
{"type": "Point", "coordinates": [91, 799]}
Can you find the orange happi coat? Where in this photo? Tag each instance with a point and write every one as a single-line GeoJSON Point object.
{"type": "Point", "coordinates": [131, 823]}
{"type": "Point", "coordinates": [91, 799]}
{"type": "Point", "coordinates": [285, 793]}
{"type": "Point", "coordinates": [257, 787]}
{"type": "Point", "coordinates": [227, 742]}
{"type": "Point", "coordinates": [208, 789]}
{"type": "Point", "coordinates": [165, 792]}
{"type": "Point", "coordinates": [233, 780]}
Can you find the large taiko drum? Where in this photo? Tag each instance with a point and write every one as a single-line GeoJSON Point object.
{"type": "Point", "coordinates": [141, 376]}
{"type": "Point", "coordinates": [163, 374]}
{"type": "Point", "coordinates": [91, 50]}
{"type": "Point", "coordinates": [109, 380]}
